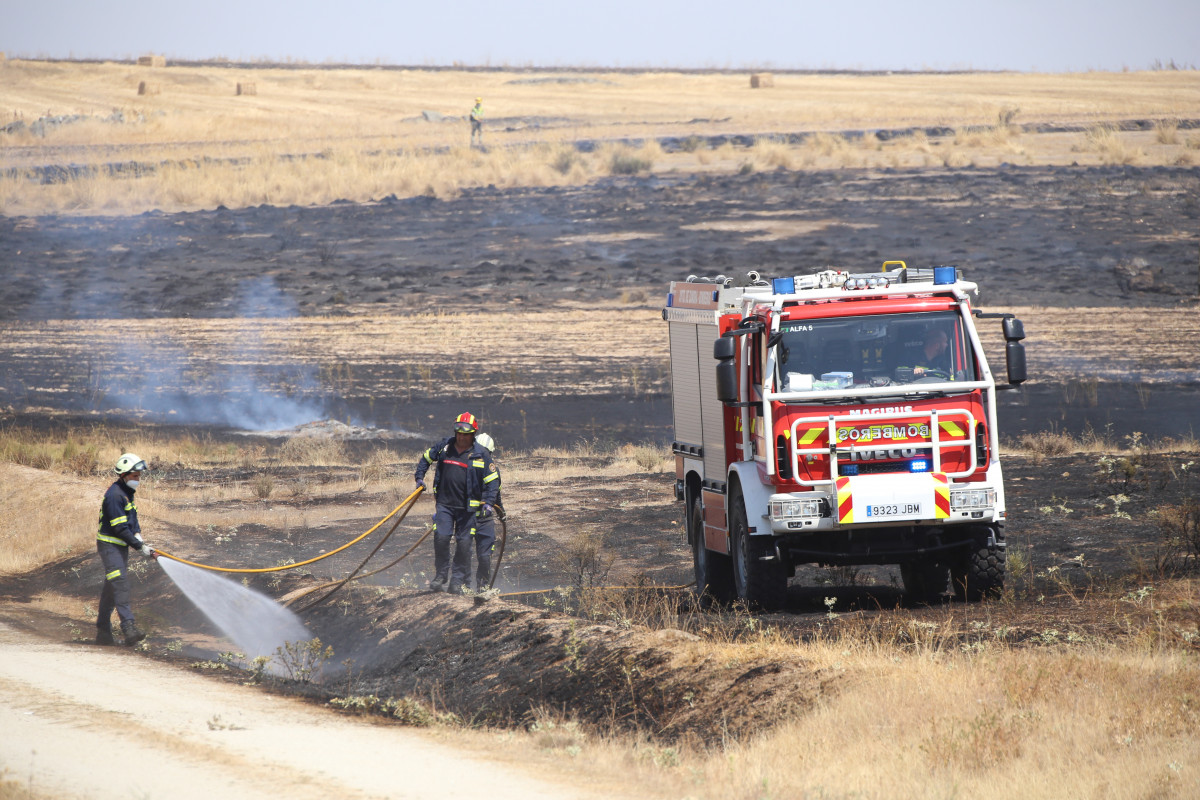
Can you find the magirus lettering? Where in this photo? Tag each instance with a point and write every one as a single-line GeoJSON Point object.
{"type": "Point", "coordinates": [862, 412]}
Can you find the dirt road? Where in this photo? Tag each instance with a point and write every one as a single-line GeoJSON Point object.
{"type": "Point", "coordinates": [82, 721]}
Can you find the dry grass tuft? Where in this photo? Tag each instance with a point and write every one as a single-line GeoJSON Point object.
{"type": "Point", "coordinates": [773, 154]}
{"type": "Point", "coordinates": [313, 451]}
{"type": "Point", "coordinates": [1166, 131]}
{"type": "Point", "coordinates": [1111, 146]}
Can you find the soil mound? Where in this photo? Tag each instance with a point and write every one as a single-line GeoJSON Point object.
{"type": "Point", "coordinates": [501, 663]}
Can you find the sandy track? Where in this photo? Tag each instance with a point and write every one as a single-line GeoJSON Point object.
{"type": "Point", "coordinates": [90, 722]}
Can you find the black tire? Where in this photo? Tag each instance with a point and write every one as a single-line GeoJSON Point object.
{"type": "Point", "coordinates": [980, 573]}
{"type": "Point", "coordinates": [762, 584]}
{"type": "Point", "coordinates": [714, 571]}
{"type": "Point", "coordinates": [925, 581]}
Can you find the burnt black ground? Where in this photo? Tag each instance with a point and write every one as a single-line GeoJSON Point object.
{"type": "Point", "coordinates": [1066, 237]}
{"type": "Point", "coordinates": [1030, 235]}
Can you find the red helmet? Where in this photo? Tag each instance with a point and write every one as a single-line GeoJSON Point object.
{"type": "Point", "coordinates": [466, 423]}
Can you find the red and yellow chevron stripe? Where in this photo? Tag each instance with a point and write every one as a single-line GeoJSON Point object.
{"type": "Point", "coordinates": [806, 437]}
{"type": "Point", "coordinates": [952, 429]}
{"type": "Point", "coordinates": [941, 495]}
{"type": "Point", "coordinates": [845, 500]}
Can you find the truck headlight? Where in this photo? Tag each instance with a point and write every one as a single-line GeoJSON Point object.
{"type": "Point", "coordinates": [962, 499]}
{"type": "Point", "coordinates": [782, 509]}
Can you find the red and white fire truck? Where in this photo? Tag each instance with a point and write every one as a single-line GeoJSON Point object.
{"type": "Point", "coordinates": [838, 419]}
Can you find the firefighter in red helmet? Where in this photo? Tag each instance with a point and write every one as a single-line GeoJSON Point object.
{"type": "Point", "coordinates": [465, 486]}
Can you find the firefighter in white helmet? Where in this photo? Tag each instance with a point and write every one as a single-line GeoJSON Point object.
{"type": "Point", "coordinates": [119, 531]}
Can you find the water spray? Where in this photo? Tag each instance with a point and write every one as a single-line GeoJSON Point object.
{"type": "Point", "coordinates": [256, 623]}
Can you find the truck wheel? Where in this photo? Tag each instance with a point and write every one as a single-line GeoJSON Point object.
{"type": "Point", "coordinates": [762, 584]}
{"type": "Point", "coordinates": [714, 573]}
{"type": "Point", "coordinates": [980, 573]}
{"type": "Point", "coordinates": [925, 581]}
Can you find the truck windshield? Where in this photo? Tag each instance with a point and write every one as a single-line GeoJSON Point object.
{"type": "Point", "coordinates": [873, 351]}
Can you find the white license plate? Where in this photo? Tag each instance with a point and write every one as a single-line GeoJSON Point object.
{"type": "Point", "coordinates": [893, 510]}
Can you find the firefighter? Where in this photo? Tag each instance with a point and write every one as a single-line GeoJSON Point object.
{"type": "Point", "coordinates": [936, 342]}
{"type": "Point", "coordinates": [485, 527]}
{"type": "Point", "coordinates": [477, 121]}
{"type": "Point", "coordinates": [465, 485]}
{"type": "Point", "coordinates": [119, 531]}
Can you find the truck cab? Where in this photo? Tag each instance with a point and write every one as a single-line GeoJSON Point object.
{"type": "Point", "coordinates": [845, 419]}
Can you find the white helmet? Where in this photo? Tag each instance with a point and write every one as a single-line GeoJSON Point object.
{"type": "Point", "coordinates": [129, 463]}
{"type": "Point", "coordinates": [486, 441]}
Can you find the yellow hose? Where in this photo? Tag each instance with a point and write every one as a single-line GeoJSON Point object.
{"type": "Point", "coordinates": [599, 588]}
{"type": "Point", "coordinates": [375, 527]}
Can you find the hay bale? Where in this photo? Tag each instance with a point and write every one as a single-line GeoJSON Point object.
{"type": "Point", "coordinates": [762, 80]}
{"type": "Point", "coordinates": [247, 88]}
{"type": "Point", "coordinates": [145, 88]}
{"type": "Point", "coordinates": [152, 61]}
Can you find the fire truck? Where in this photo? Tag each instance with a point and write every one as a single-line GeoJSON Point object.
{"type": "Point", "coordinates": [838, 419]}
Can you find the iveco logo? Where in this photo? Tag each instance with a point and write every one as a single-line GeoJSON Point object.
{"type": "Point", "coordinates": [884, 455]}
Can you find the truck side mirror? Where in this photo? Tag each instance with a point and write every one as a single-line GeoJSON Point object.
{"type": "Point", "coordinates": [1014, 330]}
{"type": "Point", "coordinates": [1014, 355]}
{"type": "Point", "coordinates": [724, 349]}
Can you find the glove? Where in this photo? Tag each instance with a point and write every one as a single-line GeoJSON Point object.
{"type": "Point", "coordinates": [147, 551]}
{"type": "Point", "coordinates": [420, 485]}
{"type": "Point", "coordinates": [485, 510]}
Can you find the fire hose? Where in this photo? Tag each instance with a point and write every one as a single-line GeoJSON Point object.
{"type": "Point", "coordinates": [406, 504]}
{"type": "Point", "coordinates": [334, 586]}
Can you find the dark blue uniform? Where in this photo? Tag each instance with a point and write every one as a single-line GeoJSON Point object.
{"type": "Point", "coordinates": [462, 484]}
{"type": "Point", "coordinates": [119, 530]}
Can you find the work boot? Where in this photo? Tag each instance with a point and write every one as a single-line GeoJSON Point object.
{"type": "Point", "coordinates": [455, 588]}
{"type": "Point", "coordinates": [437, 585]}
{"type": "Point", "coordinates": [131, 633]}
{"type": "Point", "coordinates": [104, 636]}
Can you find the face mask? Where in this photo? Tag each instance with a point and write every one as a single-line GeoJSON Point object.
{"type": "Point", "coordinates": [132, 484]}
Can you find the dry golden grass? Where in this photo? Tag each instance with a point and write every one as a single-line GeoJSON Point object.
{"type": "Point", "coordinates": [49, 517]}
{"type": "Point", "coordinates": [921, 721]}
{"type": "Point", "coordinates": [367, 127]}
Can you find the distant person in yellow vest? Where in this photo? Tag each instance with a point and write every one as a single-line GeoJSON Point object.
{"type": "Point", "coordinates": [477, 121]}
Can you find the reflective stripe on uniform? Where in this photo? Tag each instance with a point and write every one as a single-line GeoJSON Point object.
{"type": "Point", "coordinates": [428, 457]}
{"type": "Point", "coordinates": [112, 540]}
{"type": "Point", "coordinates": [478, 464]}
{"type": "Point", "coordinates": [116, 573]}
{"type": "Point", "coordinates": [476, 503]}
{"type": "Point", "coordinates": [491, 477]}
